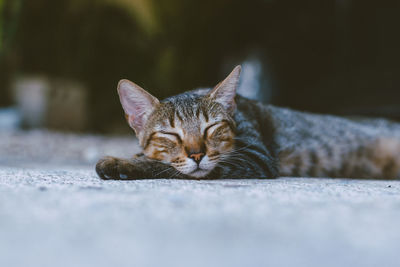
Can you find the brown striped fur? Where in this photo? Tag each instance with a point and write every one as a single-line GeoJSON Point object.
{"type": "Point", "coordinates": [215, 134]}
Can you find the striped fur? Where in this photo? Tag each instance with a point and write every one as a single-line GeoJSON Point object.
{"type": "Point", "coordinates": [255, 141]}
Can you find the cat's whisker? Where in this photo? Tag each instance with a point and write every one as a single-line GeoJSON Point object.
{"type": "Point", "coordinates": [179, 164]}
{"type": "Point", "coordinates": [175, 173]}
{"type": "Point", "coordinates": [163, 171]}
{"type": "Point", "coordinates": [233, 160]}
{"type": "Point", "coordinates": [227, 162]}
{"type": "Point", "coordinates": [241, 148]}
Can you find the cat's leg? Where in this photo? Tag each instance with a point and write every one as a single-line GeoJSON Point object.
{"type": "Point", "coordinates": [139, 167]}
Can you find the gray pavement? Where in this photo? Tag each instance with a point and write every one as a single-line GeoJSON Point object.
{"type": "Point", "coordinates": [54, 211]}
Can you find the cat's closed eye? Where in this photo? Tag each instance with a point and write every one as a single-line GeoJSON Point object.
{"type": "Point", "coordinates": [215, 129]}
{"type": "Point", "coordinates": [165, 140]}
{"type": "Point", "coordinates": [210, 128]}
{"type": "Point", "coordinates": [174, 136]}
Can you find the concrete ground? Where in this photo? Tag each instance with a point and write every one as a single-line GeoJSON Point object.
{"type": "Point", "coordinates": [54, 211]}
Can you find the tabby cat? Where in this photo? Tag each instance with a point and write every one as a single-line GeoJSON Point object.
{"type": "Point", "coordinates": [214, 133]}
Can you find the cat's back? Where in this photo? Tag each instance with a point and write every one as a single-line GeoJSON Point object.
{"type": "Point", "coordinates": [308, 144]}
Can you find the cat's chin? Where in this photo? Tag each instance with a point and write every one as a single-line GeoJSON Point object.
{"type": "Point", "coordinates": [199, 173]}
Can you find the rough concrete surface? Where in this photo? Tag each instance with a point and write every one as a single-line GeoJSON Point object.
{"type": "Point", "coordinates": [54, 211]}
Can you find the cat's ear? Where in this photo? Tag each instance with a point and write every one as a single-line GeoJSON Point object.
{"type": "Point", "coordinates": [225, 92]}
{"type": "Point", "coordinates": [137, 104]}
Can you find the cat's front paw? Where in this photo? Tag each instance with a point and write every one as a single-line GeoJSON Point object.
{"type": "Point", "coordinates": [110, 168]}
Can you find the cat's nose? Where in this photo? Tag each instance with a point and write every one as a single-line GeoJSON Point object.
{"type": "Point", "coordinates": [196, 157]}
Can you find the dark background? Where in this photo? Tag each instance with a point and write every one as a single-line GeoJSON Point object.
{"type": "Point", "coordinates": [330, 56]}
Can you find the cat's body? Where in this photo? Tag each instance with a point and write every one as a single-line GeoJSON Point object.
{"type": "Point", "coordinates": [314, 145]}
{"type": "Point", "coordinates": [262, 141]}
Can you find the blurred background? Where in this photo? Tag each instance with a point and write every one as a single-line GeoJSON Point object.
{"type": "Point", "coordinates": [60, 60]}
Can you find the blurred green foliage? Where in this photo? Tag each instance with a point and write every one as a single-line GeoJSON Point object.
{"type": "Point", "coordinates": [9, 17]}
{"type": "Point", "coordinates": [165, 46]}
{"type": "Point", "coordinates": [1, 24]}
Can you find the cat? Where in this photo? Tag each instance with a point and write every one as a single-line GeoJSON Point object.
{"type": "Point", "coordinates": [216, 134]}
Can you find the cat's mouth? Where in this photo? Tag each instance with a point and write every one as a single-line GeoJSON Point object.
{"type": "Point", "coordinates": [196, 170]}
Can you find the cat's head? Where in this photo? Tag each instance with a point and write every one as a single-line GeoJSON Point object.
{"type": "Point", "coordinates": [191, 132]}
